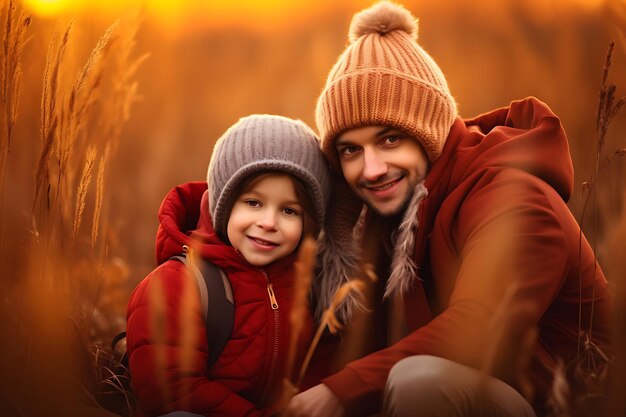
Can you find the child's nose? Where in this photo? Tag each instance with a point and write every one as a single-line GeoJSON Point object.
{"type": "Point", "coordinates": [267, 220]}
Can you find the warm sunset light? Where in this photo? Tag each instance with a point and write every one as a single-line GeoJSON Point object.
{"type": "Point", "coordinates": [47, 8]}
{"type": "Point", "coordinates": [186, 16]}
{"type": "Point", "coordinates": [255, 13]}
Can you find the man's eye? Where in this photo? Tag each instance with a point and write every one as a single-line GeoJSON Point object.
{"type": "Point", "coordinates": [392, 139]}
{"type": "Point", "coordinates": [349, 150]}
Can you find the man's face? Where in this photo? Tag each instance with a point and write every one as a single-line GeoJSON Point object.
{"type": "Point", "coordinates": [383, 165]}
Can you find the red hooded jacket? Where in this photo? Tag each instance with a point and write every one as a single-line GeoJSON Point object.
{"type": "Point", "coordinates": [497, 253]}
{"type": "Point", "coordinates": [166, 334]}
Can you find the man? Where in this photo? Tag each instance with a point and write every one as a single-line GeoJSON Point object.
{"type": "Point", "coordinates": [473, 235]}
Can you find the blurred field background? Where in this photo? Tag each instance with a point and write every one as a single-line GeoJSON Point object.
{"type": "Point", "coordinates": [149, 122]}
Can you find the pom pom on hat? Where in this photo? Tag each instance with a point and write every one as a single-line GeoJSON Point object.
{"type": "Point", "coordinates": [384, 77]}
{"type": "Point", "coordinates": [382, 18]}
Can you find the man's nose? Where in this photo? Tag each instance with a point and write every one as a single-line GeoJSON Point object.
{"type": "Point", "coordinates": [374, 167]}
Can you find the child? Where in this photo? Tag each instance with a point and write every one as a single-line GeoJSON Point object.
{"type": "Point", "coordinates": [267, 187]}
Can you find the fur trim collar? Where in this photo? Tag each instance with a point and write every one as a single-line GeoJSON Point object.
{"type": "Point", "coordinates": [338, 263]}
{"type": "Point", "coordinates": [403, 268]}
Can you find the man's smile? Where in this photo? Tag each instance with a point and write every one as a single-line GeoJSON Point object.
{"type": "Point", "coordinates": [384, 186]}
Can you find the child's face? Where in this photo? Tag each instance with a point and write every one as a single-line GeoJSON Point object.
{"type": "Point", "coordinates": [265, 223]}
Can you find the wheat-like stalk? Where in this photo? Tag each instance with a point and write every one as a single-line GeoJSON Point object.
{"type": "Point", "coordinates": [99, 196]}
{"type": "Point", "coordinates": [123, 94]}
{"type": "Point", "coordinates": [14, 31]}
{"type": "Point", "coordinates": [354, 287]}
{"type": "Point", "coordinates": [49, 110]}
{"type": "Point", "coordinates": [124, 90]}
{"type": "Point", "coordinates": [83, 186]}
{"type": "Point", "coordinates": [78, 104]}
{"type": "Point", "coordinates": [300, 304]}
{"type": "Point", "coordinates": [608, 108]}
{"type": "Point", "coordinates": [299, 309]}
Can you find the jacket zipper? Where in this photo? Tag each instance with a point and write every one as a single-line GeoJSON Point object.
{"type": "Point", "coordinates": [270, 291]}
{"type": "Point", "coordinates": [274, 307]}
{"type": "Point", "coordinates": [273, 363]}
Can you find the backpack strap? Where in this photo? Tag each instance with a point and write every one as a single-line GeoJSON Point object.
{"type": "Point", "coordinates": [216, 301]}
{"type": "Point", "coordinates": [117, 339]}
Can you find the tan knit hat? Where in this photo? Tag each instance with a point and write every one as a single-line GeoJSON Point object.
{"type": "Point", "coordinates": [385, 78]}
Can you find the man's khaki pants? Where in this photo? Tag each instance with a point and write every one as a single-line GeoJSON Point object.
{"type": "Point", "coordinates": [428, 386]}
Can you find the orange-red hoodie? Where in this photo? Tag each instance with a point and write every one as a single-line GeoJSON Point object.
{"type": "Point", "coordinates": [497, 252]}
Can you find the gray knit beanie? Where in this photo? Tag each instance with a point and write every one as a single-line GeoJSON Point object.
{"type": "Point", "coordinates": [260, 143]}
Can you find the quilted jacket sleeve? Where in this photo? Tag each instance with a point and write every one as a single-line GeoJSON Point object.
{"type": "Point", "coordinates": [168, 350]}
{"type": "Point", "coordinates": [509, 214]}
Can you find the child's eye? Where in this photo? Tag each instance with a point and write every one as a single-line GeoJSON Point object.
{"type": "Point", "coordinates": [253, 203]}
{"type": "Point", "coordinates": [290, 212]}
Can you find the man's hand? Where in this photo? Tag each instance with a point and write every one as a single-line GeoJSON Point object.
{"type": "Point", "coordinates": [318, 401]}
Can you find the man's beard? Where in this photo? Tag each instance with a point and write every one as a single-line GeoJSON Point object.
{"type": "Point", "coordinates": [398, 211]}
{"type": "Point", "coordinates": [396, 174]}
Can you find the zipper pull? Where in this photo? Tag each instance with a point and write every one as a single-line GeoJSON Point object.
{"type": "Point", "coordinates": [273, 301]}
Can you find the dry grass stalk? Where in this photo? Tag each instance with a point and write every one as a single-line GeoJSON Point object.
{"type": "Point", "coordinates": [121, 95]}
{"type": "Point", "coordinates": [305, 266]}
{"type": "Point", "coordinates": [300, 305]}
{"type": "Point", "coordinates": [355, 287]}
{"type": "Point", "coordinates": [590, 368]}
{"type": "Point", "coordinates": [99, 196]}
{"type": "Point", "coordinates": [83, 187]}
{"type": "Point", "coordinates": [608, 108]}
{"type": "Point", "coordinates": [14, 31]}
{"type": "Point", "coordinates": [117, 107]}
{"type": "Point", "coordinates": [124, 89]}
{"type": "Point", "coordinates": [49, 112]}
{"type": "Point", "coordinates": [78, 105]}
{"type": "Point", "coordinates": [112, 382]}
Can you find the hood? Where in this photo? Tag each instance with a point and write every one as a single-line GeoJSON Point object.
{"type": "Point", "coordinates": [525, 135]}
{"type": "Point", "coordinates": [184, 220]}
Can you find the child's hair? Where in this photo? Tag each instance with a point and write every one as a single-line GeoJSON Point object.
{"type": "Point", "coordinates": [302, 193]}
{"type": "Point", "coordinates": [264, 143]}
